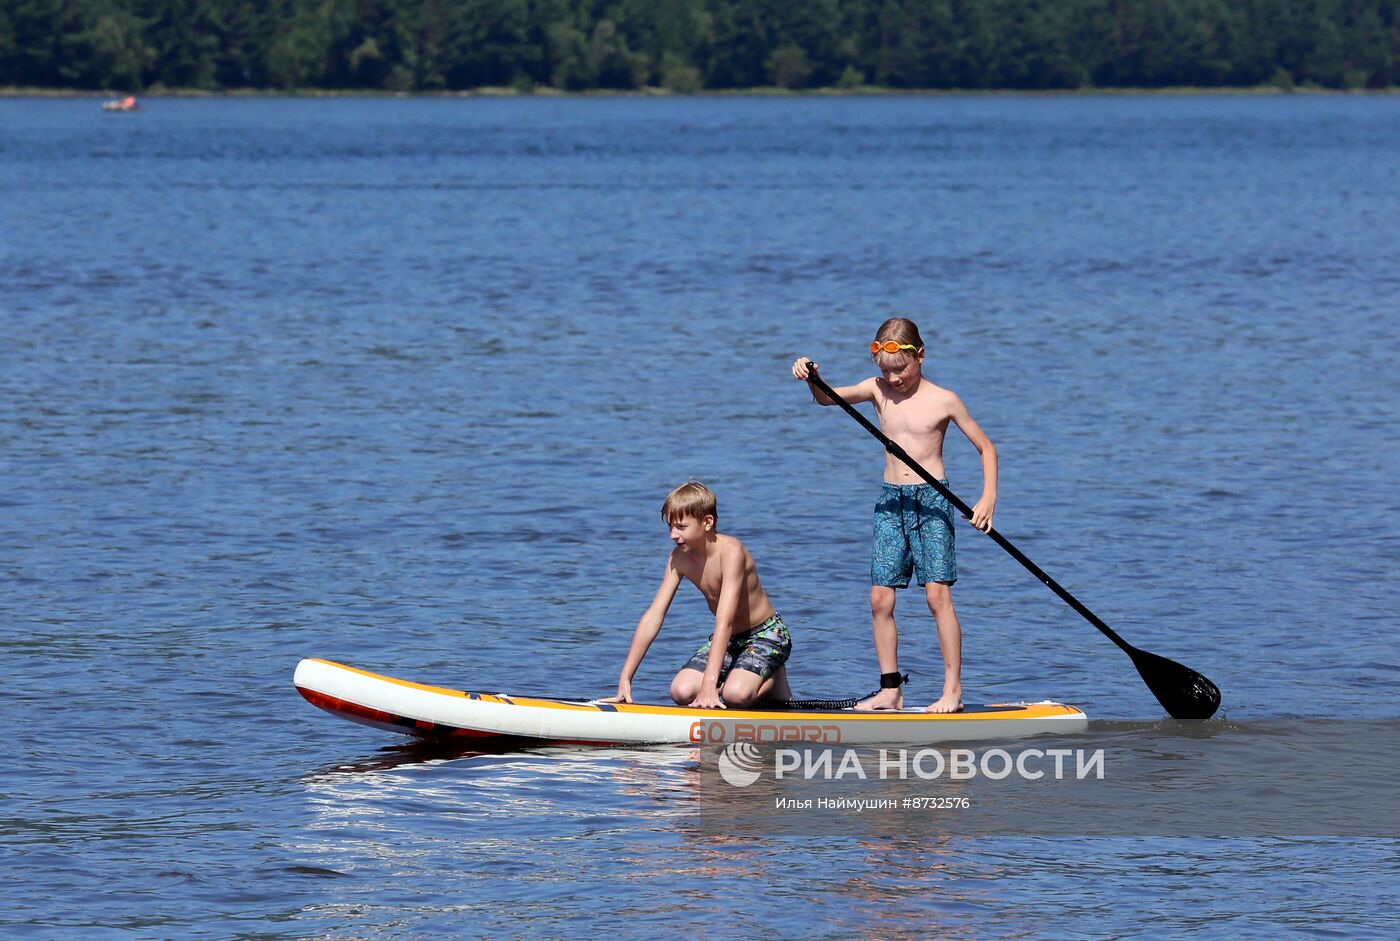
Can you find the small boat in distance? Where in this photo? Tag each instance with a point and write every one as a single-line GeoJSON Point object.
{"type": "Point", "coordinates": [129, 103]}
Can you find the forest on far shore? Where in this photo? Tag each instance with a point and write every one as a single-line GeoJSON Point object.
{"type": "Point", "coordinates": [697, 45]}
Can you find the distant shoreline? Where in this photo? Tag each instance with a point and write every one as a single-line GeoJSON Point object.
{"type": "Point", "coordinates": [760, 92]}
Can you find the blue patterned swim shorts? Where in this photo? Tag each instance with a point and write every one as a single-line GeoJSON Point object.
{"type": "Point", "coordinates": [761, 650]}
{"type": "Point", "coordinates": [913, 535]}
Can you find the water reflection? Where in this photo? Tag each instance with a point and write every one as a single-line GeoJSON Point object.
{"type": "Point", "coordinates": [547, 823]}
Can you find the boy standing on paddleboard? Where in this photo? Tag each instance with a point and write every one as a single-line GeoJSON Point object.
{"type": "Point", "coordinates": [737, 669]}
{"type": "Point", "coordinates": [913, 521]}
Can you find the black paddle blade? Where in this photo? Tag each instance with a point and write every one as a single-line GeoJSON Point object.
{"type": "Point", "coordinates": [1183, 692]}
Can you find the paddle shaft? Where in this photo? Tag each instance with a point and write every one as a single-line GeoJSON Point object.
{"type": "Point", "coordinates": [966, 511]}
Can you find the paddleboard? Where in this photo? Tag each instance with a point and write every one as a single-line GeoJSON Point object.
{"type": "Point", "coordinates": [425, 711]}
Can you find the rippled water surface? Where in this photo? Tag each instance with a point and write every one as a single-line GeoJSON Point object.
{"type": "Point", "coordinates": [402, 383]}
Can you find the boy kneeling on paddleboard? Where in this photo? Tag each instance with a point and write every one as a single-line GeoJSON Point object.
{"type": "Point", "coordinates": [734, 669]}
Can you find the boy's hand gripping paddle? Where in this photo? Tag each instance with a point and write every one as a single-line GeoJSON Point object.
{"type": "Point", "coordinates": [1183, 692]}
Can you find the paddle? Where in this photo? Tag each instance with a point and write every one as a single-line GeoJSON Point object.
{"type": "Point", "coordinates": [1183, 692]}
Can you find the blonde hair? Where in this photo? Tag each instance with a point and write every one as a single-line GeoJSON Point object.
{"type": "Point", "coordinates": [690, 499]}
{"type": "Point", "coordinates": [901, 330]}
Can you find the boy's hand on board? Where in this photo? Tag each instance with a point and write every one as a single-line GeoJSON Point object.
{"type": "Point", "coordinates": [708, 698]}
{"type": "Point", "coordinates": [624, 692]}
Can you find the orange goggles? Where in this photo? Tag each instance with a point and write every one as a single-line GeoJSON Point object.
{"type": "Point", "coordinates": [890, 346]}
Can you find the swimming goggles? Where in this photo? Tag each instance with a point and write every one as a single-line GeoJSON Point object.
{"type": "Point", "coordinates": [890, 346]}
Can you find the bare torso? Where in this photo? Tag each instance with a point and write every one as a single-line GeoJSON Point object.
{"type": "Point", "coordinates": [707, 573]}
{"type": "Point", "coordinates": [917, 422]}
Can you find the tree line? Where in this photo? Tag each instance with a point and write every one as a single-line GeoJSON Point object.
{"type": "Point", "coordinates": [696, 45]}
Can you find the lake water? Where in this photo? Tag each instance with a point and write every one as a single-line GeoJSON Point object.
{"type": "Point", "coordinates": [402, 383]}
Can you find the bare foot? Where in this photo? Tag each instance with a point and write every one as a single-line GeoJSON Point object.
{"type": "Point", "coordinates": [884, 699]}
{"type": "Point", "coordinates": [948, 702]}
